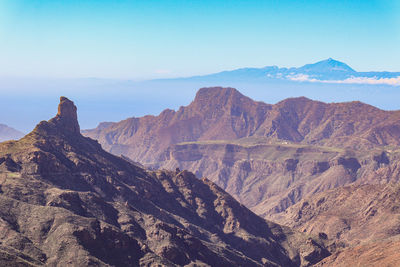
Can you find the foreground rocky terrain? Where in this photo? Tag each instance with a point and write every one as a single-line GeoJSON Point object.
{"type": "Point", "coordinates": [363, 220]}
{"type": "Point", "coordinates": [8, 133]}
{"type": "Point", "coordinates": [355, 214]}
{"type": "Point", "coordinates": [65, 201]}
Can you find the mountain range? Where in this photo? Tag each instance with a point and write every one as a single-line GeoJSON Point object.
{"type": "Point", "coordinates": [64, 201]}
{"type": "Point", "coordinates": [267, 156]}
{"type": "Point", "coordinates": [116, 99]}
{"type": "Point", "coordinates": [325, 71]}
{"type": "Point", "coordinates": [280, 160]}
{"type": "Point", "coordinates": [8, 133]}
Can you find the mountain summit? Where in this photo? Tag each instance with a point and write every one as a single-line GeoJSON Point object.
{"type": "Point", "coordinates": [8, 133]}
{"type": "Point", "coordinates": [326, 66]}
{"type": "Point", "coordinates": [325, 71]}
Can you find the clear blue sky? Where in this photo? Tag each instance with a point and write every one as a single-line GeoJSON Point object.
{"type": "Point", "coordinates": [147, 39]}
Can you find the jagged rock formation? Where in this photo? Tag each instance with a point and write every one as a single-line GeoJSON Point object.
{"type": "Point", "coordinates": [8, 133]}
{"type": "Point", "coordinates": [268, 157]}
{"type": "Point", "coordinates": [64, 201]}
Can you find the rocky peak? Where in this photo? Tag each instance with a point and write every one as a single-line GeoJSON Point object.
{"type": "Point", "coordinates": [215, 98]}
{"type": "Point", "coordinates": [67, 115]}
{"type": "Point", "coordinates": [216, 92]}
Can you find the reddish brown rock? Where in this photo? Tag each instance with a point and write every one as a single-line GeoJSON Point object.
{"type": "Point", "coordinates": [64, 201]}
{"type": "Point", "coordinates": [268, 157]}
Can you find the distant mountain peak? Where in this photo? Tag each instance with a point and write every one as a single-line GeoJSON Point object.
{"type": "Point", "coordinates": [327, 65]}
{"type": "Point", "coordinates": [8, 133]}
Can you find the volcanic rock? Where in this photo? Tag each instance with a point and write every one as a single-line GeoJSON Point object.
{"type": "Point", "coordinates": [64, 201]}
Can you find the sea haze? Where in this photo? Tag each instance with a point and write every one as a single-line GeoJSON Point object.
{"type": "Point", "coordinates": [31, 99]}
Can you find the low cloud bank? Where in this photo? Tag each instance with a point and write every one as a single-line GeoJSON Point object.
{"type": "Point", "coordinates": [352, 80]}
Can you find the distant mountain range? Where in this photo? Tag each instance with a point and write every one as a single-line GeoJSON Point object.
{"type": "Point", "coordinates": [8, 133]}
{"type": "Point", "coordinates": [325, 71]}
{"type": "Point", "coordinates": [113, 100]}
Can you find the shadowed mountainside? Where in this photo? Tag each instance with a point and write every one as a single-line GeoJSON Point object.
{"type": "Point", "coordinates": [65, 201]}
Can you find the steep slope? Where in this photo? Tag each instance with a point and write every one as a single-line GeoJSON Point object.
{"type": "Point", "coordinates": [65, 201]}
{"type": "Point", "coordinates": [268, 178]}
{"type": "Point", "coordinates": [267, 156]}
{"type": "Point", "coordinates": [8, 133]}
{"type": "Point", "coordinates": [216, 113]}
{"type": "Point", "coordinates": [380, 253]}
{"type": "Point", "coordinates": [349, 214]}
{"type": "Point", "coordinates": [363, 220]}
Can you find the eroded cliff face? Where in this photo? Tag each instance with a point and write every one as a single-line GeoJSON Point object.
{"type": "Point", "coordinates": [65, 201]}
{"type": "Point", "coordinates": [269, 178]}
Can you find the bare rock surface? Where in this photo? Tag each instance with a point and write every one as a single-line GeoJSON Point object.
{"type": "Point", "coordinates": [362, 223]}
{"type": "Point", "coordinates": [64, 201]}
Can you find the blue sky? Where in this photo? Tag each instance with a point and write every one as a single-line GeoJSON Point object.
{"type": "Point", "coordinates": [151, 39]}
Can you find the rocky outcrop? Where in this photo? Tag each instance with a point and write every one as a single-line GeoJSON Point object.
{"type": "Point", "coordinates": [67, 118]}
{"type": "Point", "coordinates": [64, 201]}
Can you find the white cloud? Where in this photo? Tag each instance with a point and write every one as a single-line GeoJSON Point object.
{"type": "Point", "coordinates": [374, 80]}
{"type": "Point", "coordinates": [352, 80]}
{"type": "Point", "coordinates": [302, 78]}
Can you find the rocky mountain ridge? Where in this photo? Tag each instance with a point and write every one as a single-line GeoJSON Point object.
{"type": "Point", "coordinates": [65, 201]}
{"type": "Point", "coordinates": [328, 70]}
{"type": "Point", "coordinates": [225, 114]}
{"type": "Point", "coordinates": [267, 156]}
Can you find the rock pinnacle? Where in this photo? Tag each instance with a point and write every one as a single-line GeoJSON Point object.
{"type": "Point", "coordinates": [67, 115]}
